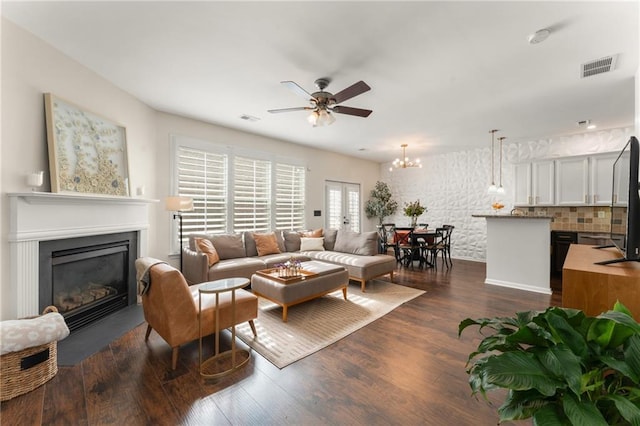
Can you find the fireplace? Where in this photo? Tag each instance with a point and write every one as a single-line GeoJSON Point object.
{"type": "Point", "coordinates": [38, 219]}
{"type": "Point", "coordinates": [88, 278]}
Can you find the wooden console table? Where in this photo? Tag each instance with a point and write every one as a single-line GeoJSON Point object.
{"type": "Point", "coordinates": [595, 288]}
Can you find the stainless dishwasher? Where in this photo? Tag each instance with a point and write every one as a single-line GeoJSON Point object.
{"type": "Point", "coordinates": [599, 239]}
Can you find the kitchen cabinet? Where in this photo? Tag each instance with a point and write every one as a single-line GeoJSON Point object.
{"type": "Point", "coordinates": [572, 181]}
{"type": "Point", "coordinates": [601, 172]}
{"type": "Point", "coordinates": [534, 184]}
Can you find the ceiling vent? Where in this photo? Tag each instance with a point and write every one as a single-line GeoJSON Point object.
{"type": "Point", "coordinates": [599, 66]}
{"type": "Point", "coordinates": [248, 117]}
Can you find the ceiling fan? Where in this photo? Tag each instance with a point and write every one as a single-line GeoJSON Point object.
{"type": "Point", "coordinates": [322, 103]}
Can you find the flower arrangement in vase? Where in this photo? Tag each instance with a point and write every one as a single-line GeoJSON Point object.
{"type": "Point", "coordinates": [414, 209]}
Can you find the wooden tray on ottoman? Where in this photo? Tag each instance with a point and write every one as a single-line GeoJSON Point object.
{"type": "Point", "coordinates": [272, 273]}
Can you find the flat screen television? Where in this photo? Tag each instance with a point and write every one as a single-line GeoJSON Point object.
{"type": "Point", "coordinates": [625, 203]}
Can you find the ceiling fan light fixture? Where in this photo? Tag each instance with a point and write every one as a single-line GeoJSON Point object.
{"type": "Point", "coordinates": [320, 117]}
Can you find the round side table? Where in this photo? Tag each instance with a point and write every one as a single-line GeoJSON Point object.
{"type": "Point", "coordinates": [221, 364]}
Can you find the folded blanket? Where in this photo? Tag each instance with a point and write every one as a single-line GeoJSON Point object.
{"type": "Point", "coordinates": [143, 266]}
{"type": "Point", "coordinates": [16, 335]}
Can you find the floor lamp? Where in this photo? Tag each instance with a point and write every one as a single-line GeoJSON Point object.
{"type": "Point", "coordinates": [179, 205]}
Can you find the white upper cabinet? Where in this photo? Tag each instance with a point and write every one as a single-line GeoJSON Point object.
{"type": "Point", "coordinates": [534, 184]}
{"type": "Point", "coordinates": [572, 181]}
{"type": "Point", "coordinates": [601, 178]}
{"type": "Point", "coordinates": [542, 187]}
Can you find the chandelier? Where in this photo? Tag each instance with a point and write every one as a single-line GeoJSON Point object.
{"type": "Point", "coordinates": [405, 162]}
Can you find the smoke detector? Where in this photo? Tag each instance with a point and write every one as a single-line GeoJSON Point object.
{"type": "Point", "coordinates": [598, 66]}
{"type": "Point", "coordinates": [539, 36]}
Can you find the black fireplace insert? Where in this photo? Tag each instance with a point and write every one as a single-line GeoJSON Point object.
{"type": "Point", "coordinates": [88, 278]}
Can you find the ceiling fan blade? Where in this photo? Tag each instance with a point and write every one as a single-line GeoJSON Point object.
{"type": "Point", "coordinates": [351, 91]}
{"type": "Point", "coordinates": [275, 111]}
{"type": "Point", "coordinates": [352, 111]}
{"type": "Point", "coordinates": [293, 86]}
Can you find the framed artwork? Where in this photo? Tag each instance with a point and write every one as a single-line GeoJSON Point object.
{"type": "Point", "coordinates": [87, 153]}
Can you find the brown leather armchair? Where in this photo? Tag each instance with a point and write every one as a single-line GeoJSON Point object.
{"type": "Point", "coordinates": [171, 308]}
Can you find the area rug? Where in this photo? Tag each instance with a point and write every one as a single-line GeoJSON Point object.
{"type": "Point", "coordinates": [316, 324]}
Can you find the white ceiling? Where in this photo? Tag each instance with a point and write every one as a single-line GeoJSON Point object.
{"type": "Point", "coordinates": [442, 73]}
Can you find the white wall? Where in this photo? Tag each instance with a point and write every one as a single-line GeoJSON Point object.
{"type": "Point", "coordinates": [454, 186]}
{"type": "Point", "coordinates": [30, 67]}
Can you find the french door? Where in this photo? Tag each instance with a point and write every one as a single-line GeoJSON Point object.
{"type": "Point", "coordinates": [342, 204]}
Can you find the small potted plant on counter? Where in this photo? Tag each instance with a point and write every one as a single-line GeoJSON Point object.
{"type": "Point", "coordinates": [560, 366]}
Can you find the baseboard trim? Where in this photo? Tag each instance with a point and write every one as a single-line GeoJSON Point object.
{"type": "Point", "coordinates": [518, 286]}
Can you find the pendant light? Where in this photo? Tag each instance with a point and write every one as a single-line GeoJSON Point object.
{"type": "Point", "coordinates": [492, 188]}
{"type": "Point", "coordinates": [500, 189]}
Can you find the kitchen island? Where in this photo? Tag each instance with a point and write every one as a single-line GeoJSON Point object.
{"type": "Point", "coordinates": [518, 249]}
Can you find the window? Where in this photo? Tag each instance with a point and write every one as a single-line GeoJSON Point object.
{"type": "Point", "coordinates": [251, 195]}
{"type": "Point", "coordinates": [203, 176]}
{"type": "Point", "coordinates": [290, 199]}
{"type": "Point", "coordinates": [235, 192]}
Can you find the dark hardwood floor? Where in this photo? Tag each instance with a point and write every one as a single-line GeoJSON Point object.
{"type": "Point", "coordinates": [405, 368]}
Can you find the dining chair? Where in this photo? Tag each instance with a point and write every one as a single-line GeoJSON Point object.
{"type": "Point", "coordinates": [448, 242]}
{"type": "Point", "coordinates": [404, 241]}
{"type": "Point", "coordinates": [388, 239]}
{"type": "Point", "coordinates": [438, 245]}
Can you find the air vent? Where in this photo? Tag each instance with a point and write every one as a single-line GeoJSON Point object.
{"type": "Point", "coordinates": [599, 66]}
{"type": "Point", "coordinates": [248, 117]}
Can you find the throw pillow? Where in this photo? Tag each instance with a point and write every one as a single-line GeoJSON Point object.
{"type": "Point", "coordinates": [330, 238]}
{"type": "Point", "coordinates": [266, 243]}
{"type": "Point", "coordinates": [249, 244]}
{"type": "Point", "coordinates": [205, 246]}
{"type": "Point", "coordinates": [229, 246]}
{"type": "Point", "coordinates": [280, 240]}
{"type": "Point", "coordinates": [311, 244]}
{"type": "Point", "coordinates": [316, 233]}
{"type": "Point", "coordinates": [291, 240]}
{"type": "Point", "coordinates": [365, 243]}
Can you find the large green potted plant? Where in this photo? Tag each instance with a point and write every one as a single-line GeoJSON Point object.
{"type": "Point", "coordinates": [560, 366]}
{"type": "Point", "coordinates": [380, 204]}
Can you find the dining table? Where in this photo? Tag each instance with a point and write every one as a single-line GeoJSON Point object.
{"type": "Point", "coordinates": [410, 236]}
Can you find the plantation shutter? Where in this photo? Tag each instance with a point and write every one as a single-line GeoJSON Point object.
{"type": "Point", "coordinates": [290, 196]}
{"type": "Point", "coordinates": [252, 195]}
{"type": "Point", "coordinates": [334, 205]}
{"type": "Point", "coordinates": [353, 207]}
{"type": "Point", "coordinates": [203, 176]}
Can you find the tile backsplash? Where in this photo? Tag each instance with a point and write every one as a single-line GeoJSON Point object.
{"type": "Point", "coordinates": [589, 219]}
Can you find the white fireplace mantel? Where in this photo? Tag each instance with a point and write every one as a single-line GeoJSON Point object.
{"type": "Point", "coordinates": [44, 216]}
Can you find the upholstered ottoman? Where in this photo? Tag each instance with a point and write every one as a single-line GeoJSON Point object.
{"type": "Point", "coordinates": [329, 278]}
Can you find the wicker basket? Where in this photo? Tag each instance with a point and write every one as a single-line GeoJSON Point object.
{"type": "Point", "coordinates": [25, 370]}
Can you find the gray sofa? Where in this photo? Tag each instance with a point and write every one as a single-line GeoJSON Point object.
{"type": "Point", "coordinates": [357, 252]}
